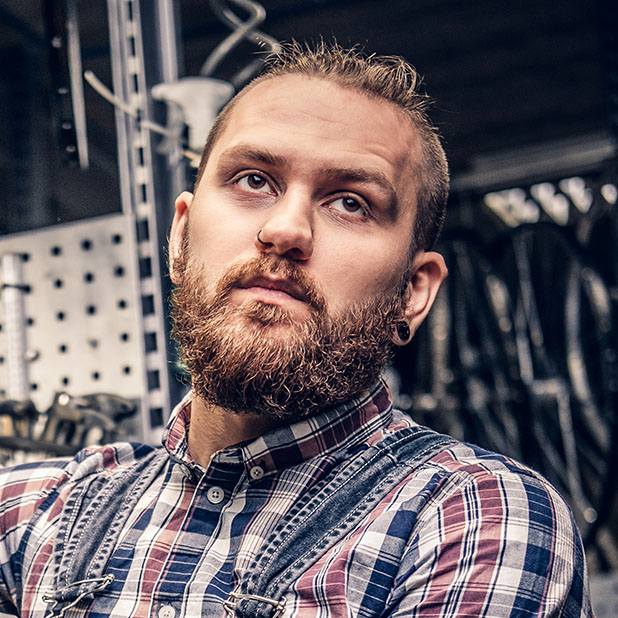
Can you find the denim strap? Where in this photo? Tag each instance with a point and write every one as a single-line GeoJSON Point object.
{"type": "Point", "coordinates": [90, 524]}
{"type": "Point", "coordinates": [327, 513]}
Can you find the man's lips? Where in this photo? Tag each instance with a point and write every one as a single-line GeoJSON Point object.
{"type": "Point", "coordinates": [276, 284]}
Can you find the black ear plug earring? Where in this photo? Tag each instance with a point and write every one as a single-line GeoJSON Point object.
{"type": "Point", "coordinates": [403, 331]}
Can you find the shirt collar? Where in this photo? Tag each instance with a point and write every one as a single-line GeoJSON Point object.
{"type": "Point", "coordinates": [342, 427]}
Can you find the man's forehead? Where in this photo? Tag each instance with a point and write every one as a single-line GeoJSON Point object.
{"type": "Point", "coordinates": [318, 94]}
{"type": "Point", "coordinates": [335, 112]}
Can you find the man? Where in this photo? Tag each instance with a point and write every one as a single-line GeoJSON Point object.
{"type": "Point", "coordinates": [287, 485]}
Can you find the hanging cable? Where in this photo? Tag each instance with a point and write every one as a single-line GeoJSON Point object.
{"type": "Point", "coordinates": [191, 93]}
{"type": "Point", "coordinates": [240, 30]}
{"type": "Point", "coordinates": [100, 88]}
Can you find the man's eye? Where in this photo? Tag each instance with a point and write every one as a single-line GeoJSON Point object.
{"type": "Point", "coordinates": [349, 205]}
{"type": "Point", "coordinates": [254, 182]}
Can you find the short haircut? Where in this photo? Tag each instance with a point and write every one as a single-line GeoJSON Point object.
{"type": "Point", "coordinates": [386, 78]}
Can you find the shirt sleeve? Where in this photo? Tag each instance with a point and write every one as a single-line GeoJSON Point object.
{"type": "Point", "coordinates": [495, 545]}
{"type": "Point", "coordinates": [31, 501]}
{"type": "Point", "coordinates": [22, 489]}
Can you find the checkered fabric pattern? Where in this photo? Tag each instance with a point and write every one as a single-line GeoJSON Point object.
{"type": "Point", "coordinates": [468, 533]}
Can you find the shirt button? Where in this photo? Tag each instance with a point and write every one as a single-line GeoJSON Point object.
{"type": "Point", "coordinates": [215, 494]}
{"type": "Point", "coordinates": [166, 611]}
{"type": "Point", "coordinates": [256, 473]}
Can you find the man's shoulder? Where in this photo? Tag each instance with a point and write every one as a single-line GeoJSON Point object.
{"type": "Point", "coordinates": [449, 456]}
{"type": "Point", "coordinates": [90, 459]}
{"type": "Point", "coordinates": [470, 476]}
{"type": "Point", "coordinates": [29, 483]}
{"type": "Point", "coordinates": [464, 458]}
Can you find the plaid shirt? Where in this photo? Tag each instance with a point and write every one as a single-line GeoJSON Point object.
{"type": "Point", "coordinates": [489, 539]}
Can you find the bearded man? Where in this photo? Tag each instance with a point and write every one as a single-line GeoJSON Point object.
{"type": "Point", "coordinates": [287, 485]}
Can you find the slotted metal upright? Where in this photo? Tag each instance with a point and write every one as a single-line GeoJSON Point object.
{"type": "Point", "coordinates": [144, 198]}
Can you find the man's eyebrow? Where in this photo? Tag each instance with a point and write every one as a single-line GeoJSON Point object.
{"type": "Point", "coordinates": [243, 151]}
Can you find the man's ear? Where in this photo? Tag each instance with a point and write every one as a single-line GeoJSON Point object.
{"type": "Point", "coordinates": [428, 271]}
{"type": "Point", "coordinates": [179, 224]}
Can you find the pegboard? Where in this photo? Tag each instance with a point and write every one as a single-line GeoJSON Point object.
{"type": "Point", "coordinates": [81, 310]}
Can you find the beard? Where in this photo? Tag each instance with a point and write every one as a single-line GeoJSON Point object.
{"type": "Point", "coordinates": [260, 359]}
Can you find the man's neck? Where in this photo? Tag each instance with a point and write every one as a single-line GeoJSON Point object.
{"type": "Point", "coordinates": [213, 428]}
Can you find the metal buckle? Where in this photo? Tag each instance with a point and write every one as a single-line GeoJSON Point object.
{"type": "Point", "coordinates": [103, 582]}
{"type": "Point", "coordinates": [230, 603]}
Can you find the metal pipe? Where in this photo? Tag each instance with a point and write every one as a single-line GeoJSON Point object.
{"type": "Point", "coordinates": [13, 292]}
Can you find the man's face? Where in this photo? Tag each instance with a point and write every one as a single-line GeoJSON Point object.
{"type": "Point", "coordinates": [323, 173]}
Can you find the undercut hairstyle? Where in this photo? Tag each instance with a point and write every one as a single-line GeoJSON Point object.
{"type": "Point", "coordinates": [385, 78]}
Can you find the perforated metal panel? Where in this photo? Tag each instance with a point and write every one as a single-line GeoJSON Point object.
{"type": "Point", "coordinates": [82, 316]}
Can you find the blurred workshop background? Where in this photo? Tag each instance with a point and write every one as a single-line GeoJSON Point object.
{"type": "Point", "coordinates": [104, 106]}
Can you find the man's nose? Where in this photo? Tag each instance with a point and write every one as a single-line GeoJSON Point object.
{"type": "Point", "coordinates": [288, 230]}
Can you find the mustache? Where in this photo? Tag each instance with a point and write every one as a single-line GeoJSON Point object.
{"type": "Point", "coordinates": [275, 266]}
